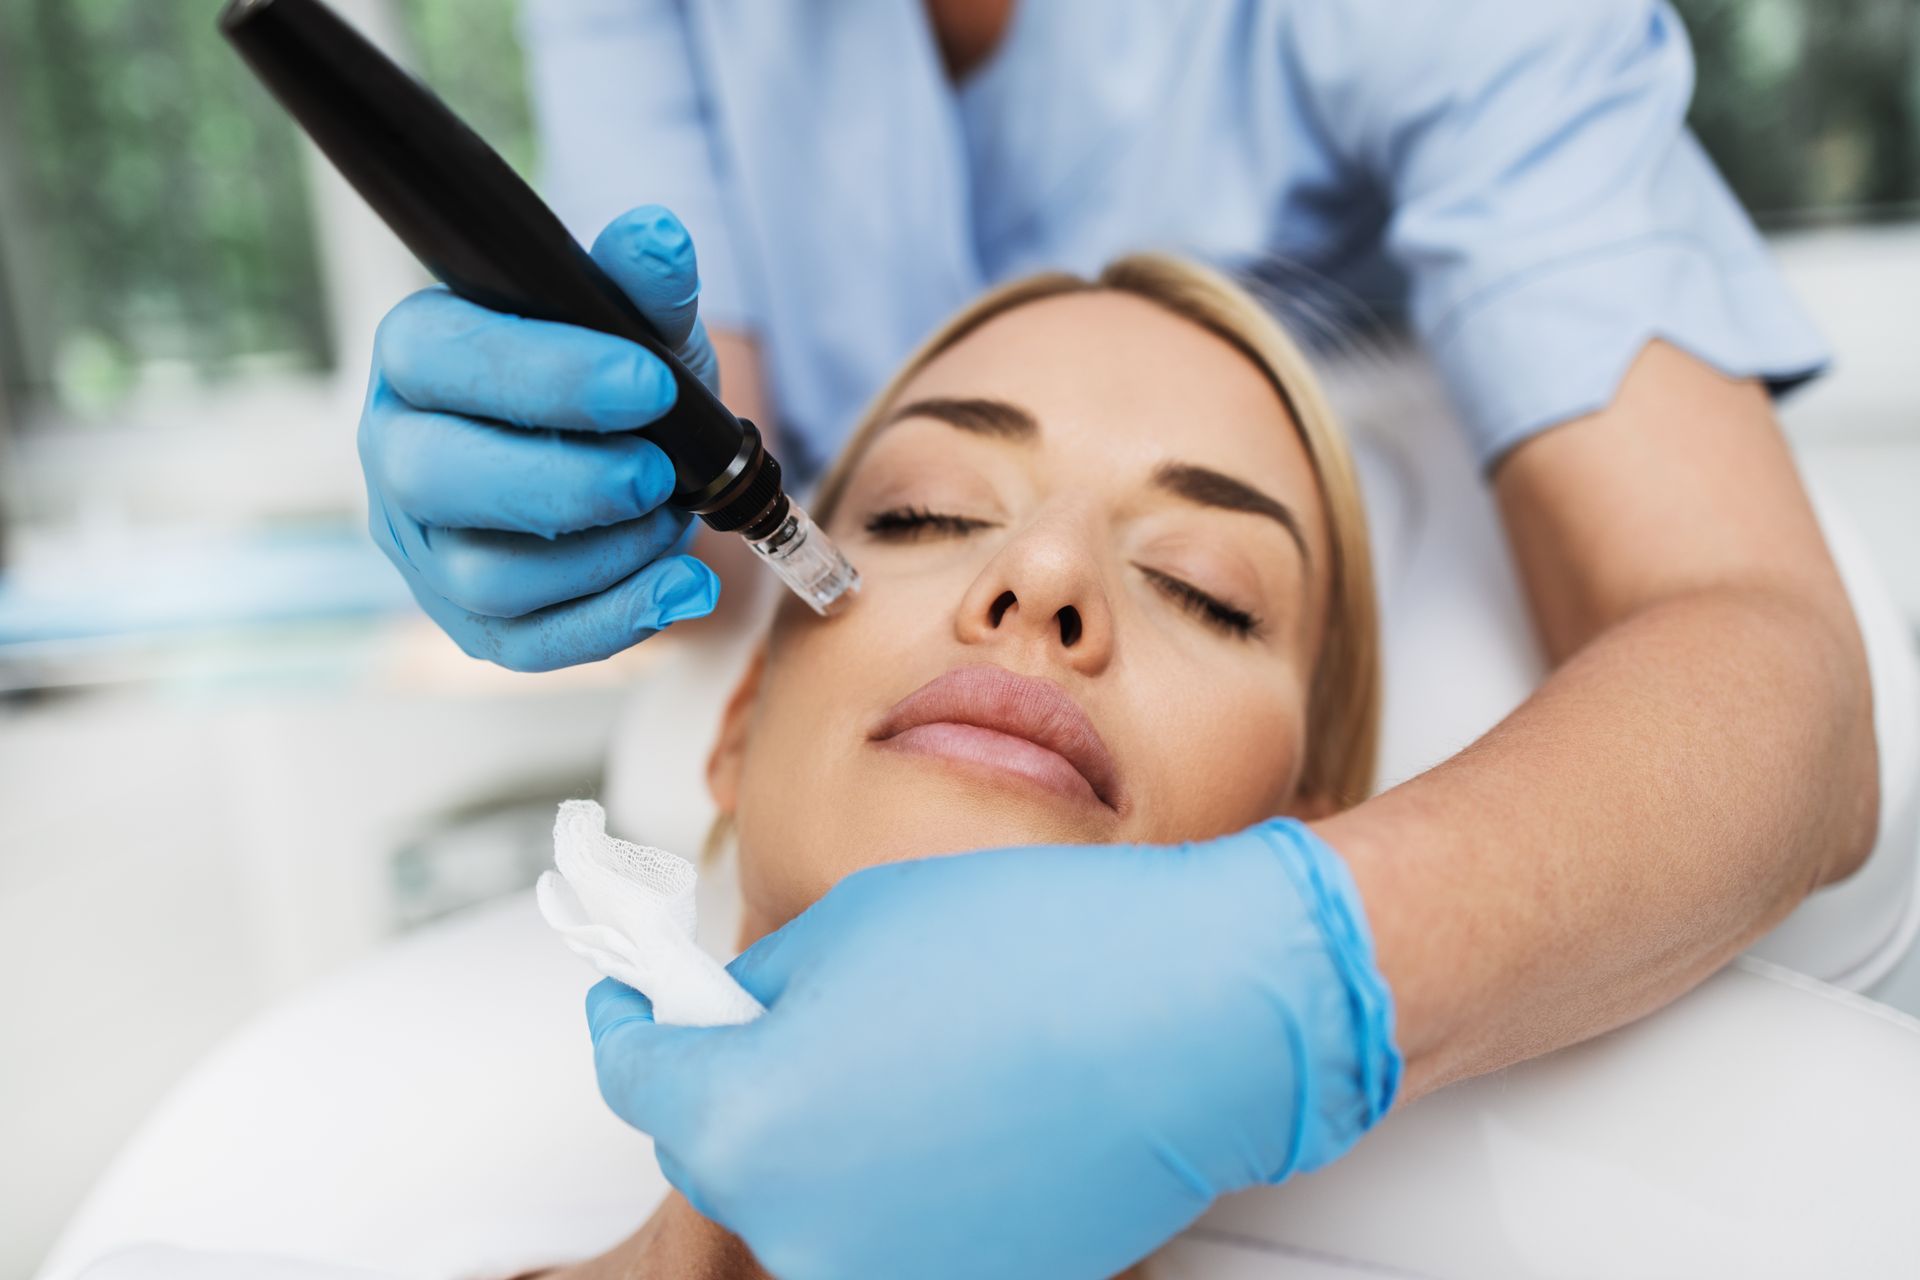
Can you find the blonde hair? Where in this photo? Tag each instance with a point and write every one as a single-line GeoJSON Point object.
{"type": "Point", "coordinates": [1343, 707]}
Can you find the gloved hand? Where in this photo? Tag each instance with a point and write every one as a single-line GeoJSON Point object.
{"type": "Point", "coordinates": [1031, 1062]}
{"type": "Point", "coordinates": [504, 480]}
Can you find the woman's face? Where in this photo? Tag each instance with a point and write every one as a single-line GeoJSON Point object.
{"type": "Point", "coordinates": [1094, 563]}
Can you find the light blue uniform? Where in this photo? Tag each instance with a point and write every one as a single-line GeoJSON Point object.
{"type": "Point", "coordinates": [1516, 174]}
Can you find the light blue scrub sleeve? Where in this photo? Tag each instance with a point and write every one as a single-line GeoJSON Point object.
{"type": "Point", "coordinates": [1550, 208]}
{"type": "Point", "coordinates": [624, 119]}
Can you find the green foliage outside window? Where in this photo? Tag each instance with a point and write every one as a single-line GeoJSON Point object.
{"type": "Point", "coordinates": [469, 51]}
{"type": "Point", "coordinates": [1811, 107]}
{"type": "Point", "coordinates": [154, 218]}
{"type": "Point", "coordinates": [161, 215]}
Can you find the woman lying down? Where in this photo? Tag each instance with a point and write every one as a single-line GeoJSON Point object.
{"type": "Point", "coordinates": [1077, 624]}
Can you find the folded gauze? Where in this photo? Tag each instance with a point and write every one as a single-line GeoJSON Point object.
{"type": "Point", "coordinates": [628, 911]}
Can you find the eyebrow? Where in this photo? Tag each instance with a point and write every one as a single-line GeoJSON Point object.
{"type": "Point", "coordinates": [1201, 485]}
{"type": "Point", "coordinates": [1212, 488]}
{"type": "Point", "coordinates": [982, 417]}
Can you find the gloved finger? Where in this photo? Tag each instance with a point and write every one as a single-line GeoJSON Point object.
{"type": "Point", "coordinates": [584, 630]}
{"type": "Point", "coordinates": [510, 575]}
{"type": "Point", "coordinates": [677, 1175]}
{"type": "Point", "coordinates": [766, 967]}
{"type": "Point", "coordinates": [651, 257]}
{"type": "Point", "coordinates": [455, 472]}
{"type": "Point", "coordinates": [687, 538]}
{"type": "Point", "coordinates": [651, 1075]}
{"type": "Point", "coordinates": [610, 1002]}
{"type": "Point", "coordinates": [438, 351]}
{"type": "Point", "coordinates": [682, 1180]}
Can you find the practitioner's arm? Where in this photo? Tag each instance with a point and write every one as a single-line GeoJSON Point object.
{"type": "Point", "coordinates": [1704, 753]}
{"type": "Point", "coordinates": [1702, 757]}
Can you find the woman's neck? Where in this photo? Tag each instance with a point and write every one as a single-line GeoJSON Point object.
{"type": "Point", "coordinates": [676, 1243]}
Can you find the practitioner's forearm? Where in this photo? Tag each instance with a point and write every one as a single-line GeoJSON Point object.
{"type": "Point", "coordinates": [1671, 793]}
{"type": "Point", "coordinates": [1702, 758]}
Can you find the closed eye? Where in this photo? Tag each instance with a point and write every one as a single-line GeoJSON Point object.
{"type": "Point", "coordinates": [908, 524]}
{"type": "Point", "coordinates": [1213, 612]}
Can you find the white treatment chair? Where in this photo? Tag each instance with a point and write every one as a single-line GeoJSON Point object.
{"type": "Point", "coordinates": [432, 1113]}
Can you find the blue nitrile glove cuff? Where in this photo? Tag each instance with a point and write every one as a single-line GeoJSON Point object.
{"type": "Point", "coordinates": [1371, 1063]}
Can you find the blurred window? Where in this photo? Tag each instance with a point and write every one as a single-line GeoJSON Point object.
{"type": "Point", "coordinates": [156, 230]}
{"type": "Point", "coordinates": [1811, 107]}
{"type": "Point", "coordinates": [162, 228]}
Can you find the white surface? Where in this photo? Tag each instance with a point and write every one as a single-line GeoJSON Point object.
{"type": "Point", "coordinates": [173, 859]}
{"type": "Point", "coordinates": [433, 1114]}
{"type": "Point", "coordinates": [430, 1111]}
{"type": "Point", "coordinates": [165, 1262]}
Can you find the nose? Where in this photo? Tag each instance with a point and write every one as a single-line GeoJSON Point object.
{"type": "Point", "coordinates": [1042, 589]}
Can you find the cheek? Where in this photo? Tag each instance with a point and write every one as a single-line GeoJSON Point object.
{"type": "Point", "coordinates": [786, 819]}
{"type": "Point", "coordinates": [805, 819]}
{"type": "Point", "coordinates": [1226, 754]}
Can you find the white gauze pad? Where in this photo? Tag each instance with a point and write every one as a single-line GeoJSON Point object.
{"type": "Point", "coordinates": [628, 911]}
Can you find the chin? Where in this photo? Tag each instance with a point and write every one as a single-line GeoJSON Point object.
{"type": "Point", "coordinates": [910, 818]}
{"type": "Point", "coordinates": [932, 809]}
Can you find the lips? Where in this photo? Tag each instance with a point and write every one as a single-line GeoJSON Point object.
{"type": "Point", "coordinates": [989, 716]}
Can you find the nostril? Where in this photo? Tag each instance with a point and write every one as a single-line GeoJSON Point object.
{"type": "Point", "coordinates": [1000, 606]}
{"type": "Point", "coordinates": [1069, 626]}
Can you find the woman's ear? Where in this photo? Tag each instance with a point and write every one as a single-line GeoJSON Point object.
{"type": "Point", "coordinates": [729, 752]}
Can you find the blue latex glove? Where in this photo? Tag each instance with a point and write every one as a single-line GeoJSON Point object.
{"type": "Point", "coordinates": [1029, 1062]}
{"type": "Point", "coordinates": [504, 478]}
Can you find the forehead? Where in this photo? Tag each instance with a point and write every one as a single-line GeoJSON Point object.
{"type": "Point", "coordinates": [1119, 384]}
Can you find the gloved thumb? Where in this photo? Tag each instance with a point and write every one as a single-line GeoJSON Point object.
{"type": "Point", "coordinates": [651, 1075]}
{"type": "Point", "coordinates": [650, 256]}
{"type": "Point", "coordinates": [765, 968]}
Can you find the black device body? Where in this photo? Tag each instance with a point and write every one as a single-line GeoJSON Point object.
{"type": "Point", "coordinates": [472, 222]}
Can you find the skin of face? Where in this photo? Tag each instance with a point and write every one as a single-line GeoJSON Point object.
{"type": "Point", "coordinates": [1205, 726]}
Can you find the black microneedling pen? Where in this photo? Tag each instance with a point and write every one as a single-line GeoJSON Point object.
{"type": "Point", "coordinates": [472, 222]}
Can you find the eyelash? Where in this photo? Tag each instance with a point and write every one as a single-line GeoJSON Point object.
{"type": "Point", "coordinates": [1203, 606]}
{"type": "Point", "coordinates": [908, 524]}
